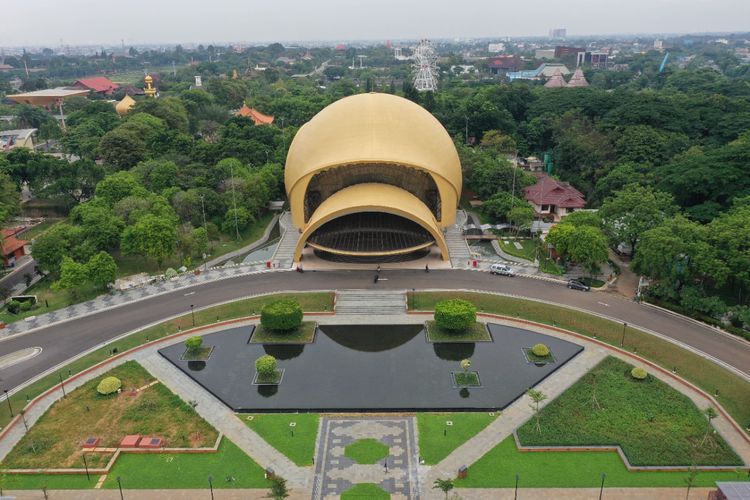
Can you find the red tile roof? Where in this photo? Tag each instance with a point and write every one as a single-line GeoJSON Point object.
{"type": "Point", "coordinates": [255, 115]}
{"type": "Point", "coordinates": [10, 244]}
{"type": "Point", "coordinates": [97, 84]}
{"type": "Point", "coordinates": [503, 62]}
{"type": "Point", "coordinates": [548, 191]}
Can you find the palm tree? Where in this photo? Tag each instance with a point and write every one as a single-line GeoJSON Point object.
{"type": "Point", "coordinates": [445, 485]}
{"type": "Point", "coordinates": [537, 397]}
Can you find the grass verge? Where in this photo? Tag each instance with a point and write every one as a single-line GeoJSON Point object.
{"type": "Point", "coordinates": [365, 491]}
{"type": "Point", "coordinates": [653, 423]}
{"type": "Point", "coordinates": [366, 451]}
{"type": "Point", "coordinates": [734, 392]}
{"type": "Point", "coordinates": [55, 440]}
{"type": "Point", "coordinates": [315, 301]}
{"type": "Point", "coordinates": [297, 442]}
{"type": "Point", "coordinates": [526, 252]}
{"type": "Point", "coordinates": [437, 439]}
{"type": "Point", "coordinates": [475, 333]}
{"type": "Point", "coordinates": [305, 334]}
{"type": "Point", "coordinates": [571, 469]}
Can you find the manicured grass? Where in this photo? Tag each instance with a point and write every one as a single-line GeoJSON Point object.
{"type": "Point", "coordinates": [305, 334]}
{"type": "Point", "coordinates": [366, 451]}
{"type": "Point", "coordinates": [437, 440]}
{"type": "Point", "coordinates": [275, 429]}
{"type": "Point", "coordinates": [49, 481]}
{"type": "Point", "coordinates": [466, 379]}
{"type": "Point", "coordinates": [39, 229]}
{"type": "Point", "coordinates": [533, 358]}
{"type": "Point", "coordinates": [652, 422]}
{"type": "Point", "coordinates": [315, 301]}
{"type": "Point", "coordinates": [47, 296]}
{"type": "Point", "coordinates": [475, 333]}
{"type": "Point", "coordinates": [734, 391]}
{"type": "Point", "coordinates": [200, 354]}
{"type": "Point", "coordinates": [54, 441]}
{"type": "Point", "coordinates": [592, 282]}
{"type": "Point", "coordinates": [527, 252]}
{"type": "Point", "coordinates": [365, 491]}
{"type": "Point", "coordinates": [188, 470]}
{"type": "Point", "coordinates": [268, 379]}
{"type": "Point", "coordinates": [565, 469]}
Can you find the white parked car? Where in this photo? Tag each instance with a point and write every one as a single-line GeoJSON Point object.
{"type": "Point", "coordinates": [502, 270]}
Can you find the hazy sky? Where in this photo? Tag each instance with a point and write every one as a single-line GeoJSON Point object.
{"type": "Point", "coordinates": [46, 22]}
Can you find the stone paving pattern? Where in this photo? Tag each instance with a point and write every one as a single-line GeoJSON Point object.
{"type": "Point", "coordinates": [335, 473]}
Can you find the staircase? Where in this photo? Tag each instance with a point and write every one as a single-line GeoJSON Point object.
{"type": "Point", "coordinates": [284, 255]}
{"type": "Point", "coordinates": [457, 247]}
{"type": "Point", "coordinates": [372, 302]}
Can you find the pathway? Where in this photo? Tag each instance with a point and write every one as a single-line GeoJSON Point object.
{"type": "Point", "coordinates": [284, 256]}
{"type": "Point", "coordinates": [336, 473]}
{"type": "Point", "coordinates": [372, 302]}
{"type": "Point", "coordinates": [457, 247]}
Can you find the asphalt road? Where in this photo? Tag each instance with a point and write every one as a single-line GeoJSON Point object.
{"type": "Point", "coordinates": [61, 342]}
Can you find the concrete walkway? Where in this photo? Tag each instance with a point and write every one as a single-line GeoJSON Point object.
{"type": "Point", "coordinates": [246, 249]}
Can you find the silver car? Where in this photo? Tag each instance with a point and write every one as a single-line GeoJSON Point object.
{"type": "Point", "coordinates": [502, 270]}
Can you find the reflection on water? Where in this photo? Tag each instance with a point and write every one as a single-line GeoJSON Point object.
{"type": "Point", "coordinates": [464, 393]}
{"type": "Point", "coordinates": [268, 390]}
{"type": "Point", "coordinates": [284, 351]}
{"type": "Point", "coordinates": [371, 338]}
{"type": "Point", "coordinates": [196, 366]}
{"type": "Point", "coordinates": [454, 351]}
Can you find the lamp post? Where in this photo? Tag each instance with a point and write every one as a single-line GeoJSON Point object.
{"type": "Point", "coordinates": [62, 384]}
{"type": "Point", "coordinates": [7, 398]}
{"type": "Point", "coordinates": [601, 488]}
{"type": "Point", "coordinates": [119, 485]}
{"type": "Point", "coordinates": [515, 494]}
{"type": "Point", "coordinates": [622, 340]}
{"type": "Point", "coordinates": [86, 466]}
{"type": "Point", "coordinates": [211, 485]}
{"type": "Point", "coordinates": [192, 313]}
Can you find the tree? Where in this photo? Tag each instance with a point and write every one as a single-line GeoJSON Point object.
{"type": "Point", "coordinates": [498, 142]}
{"type": "Point", "coordinates": [521, 216]}
{"type": "Point", "coordinates": [278, 489]}
{"type": "Point", "coordinates": [194, 343]}
{"type": "Point", "coordinates": [117, 186]}
{"type": "Point", "coordinates": [444, 485]}
{"type": "Point", "coordinates": [634, 210]}
{"type": "Point", "coordinates": [281, 315]}
{"type": "Point", "coordinates": [101, 227]}
{"type": "Point", "coordinates": [73, 275]}
{"type": "Point", "coordinates": [588, 248]}
{"type": "Point", "coordinates": [455, 314]}
{"type": "Point", "coordinates": [102, 269]}
{"type": "Point", "coordinates": [265, 365]}
{"type": "Point", "coordinates": [151, 236]}
{"type": "Point", "coordinates": [238, 218]}
{"type": "Point", "coordinates": [536, 397]}
{"type": "Point", "coordinates": [53, 245]}
{"type": "Point", "coordinates": [122, 148]}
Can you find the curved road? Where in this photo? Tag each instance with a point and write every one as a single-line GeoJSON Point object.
{"type": "Point", "coordinates": [63, 341]}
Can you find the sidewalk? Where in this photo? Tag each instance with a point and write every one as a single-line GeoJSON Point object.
{"type": "Point", "coordinates": [218, 494]}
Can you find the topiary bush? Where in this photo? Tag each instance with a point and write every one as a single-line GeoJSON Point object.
{"type": "Point", "coordinates": [265, 365]}
{"type": "Point", "coordinates": [455, 314]}
{"type": "Point", "coordinates": [638, 373]}
{"type": "Point", "coordinates": [283, 315]}
{"type": "Point", "coordinates": [541, 350]}
{"type": "Point", "coordinates": [109, 385]}
{"type": "Point", "coordinates": [194, 343]}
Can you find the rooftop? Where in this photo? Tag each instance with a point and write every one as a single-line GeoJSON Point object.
{"type": "Point", "coordinates": [255, 115]}
{"type": "Point", "coordinates": [97, 84]}
{"type": "Point", "coordinates": [549, 191]}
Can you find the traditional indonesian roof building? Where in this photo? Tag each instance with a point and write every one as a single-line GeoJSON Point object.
{"type": "Point", "coordinates": [557, 81]}
{"type": "Point", "coordinates": [96, 84]}
{"type": "Point", "coordinates": [372, 178]}
{"type": "Point", "coordinates": [20, 138]}
{"type": "Point", "coordinates": [578, 80]}
{"type": "Point", "coordinates": [255, 115]}
{"type": "Point", "coordinates": [554, 198]}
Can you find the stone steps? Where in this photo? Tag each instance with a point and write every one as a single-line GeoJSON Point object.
{"type": "Point", "coordinates": [371, 302]}
{"type": "Point", "coordinates": [284, 255]}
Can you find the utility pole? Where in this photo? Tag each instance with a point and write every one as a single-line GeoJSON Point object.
{"type": "Point", "coordinates": [234, 204]}
{"type": "Point", "coordinates": [466, 129]}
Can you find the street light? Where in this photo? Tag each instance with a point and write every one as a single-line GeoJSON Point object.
{"type": "Point", "coordinates": [515, 495]}
{"type": "Point", "coordinates": [7, 398]}
{"type": "Point", "coordinates": [601, 489]}
{"type": "Point", "coordinates": [62, 385]}
{"type": "Point", "coordinates": [192, 313]}
{"type": "Point", "coordinates": [622, 340]}
{"type": "Point", "coordinates": [211, 485]}
{"type": "Point", "coordinates": [119, 485]}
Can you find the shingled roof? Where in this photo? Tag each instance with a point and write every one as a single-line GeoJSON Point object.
{"type": "Point", "coordinates": [255, 115]}
{"type": "Point", "coordinates": [97, 84]}
{"type": "Point", "coordinates": [549, 191]}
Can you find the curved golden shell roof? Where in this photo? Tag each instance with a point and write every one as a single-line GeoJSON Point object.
{"type": "Point", "coordinates": [377, 128]}
{"type": "Point", "coordinates": [124, 106]}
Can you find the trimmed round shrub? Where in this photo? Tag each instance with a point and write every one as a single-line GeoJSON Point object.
{"type": "Point", "coordinates": [109, 385]}
{"type": "Point", "coordinates": [283, 315]}
{"type": "Point", "coordinates": [170, 273]}
{"type": "Point", "coordinates": [465, 364]}
{"type": "Point", "coordinates": [14, 307]}
{"type": "Point", "coordinates": [265, 365]}
{"type": "Point", "coordinates": [540, 350]}
{"type": "Point", "coordinates": [194, 343]}
{"type": "Point", "coordinates": [455, 314]}
{"type": "Point", "coordinates": [638, 373]}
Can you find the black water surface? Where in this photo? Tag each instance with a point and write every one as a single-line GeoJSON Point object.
{"type": "Point", "coordinates": [380, 368]}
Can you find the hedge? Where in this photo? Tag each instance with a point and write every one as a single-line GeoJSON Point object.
{"type": "Point", "coordinates": [194, 343]}
{"type": "Point", "coordinates": [284, 315]}
{"type": "Point", "coordinates": [455, 314]}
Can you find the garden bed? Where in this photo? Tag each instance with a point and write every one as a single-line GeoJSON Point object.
{"type": "Point", "coordinates": [466, 379]}
{"type": "Point", "coordinates": [653, 423]}
{"type": "Point", "coordinates": [274, 379]}
{"type": "Point", "coordinates": [538, 360]}
{"type": "Point", "coordinates": [305, 334]}
{"type": "Point", "coordinates": [200, 354]}
{"type": "Point", "coordinates": [475, 333]}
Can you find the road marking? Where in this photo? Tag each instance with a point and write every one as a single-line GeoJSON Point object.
{"type": "Point", "coordinates": [603, 303]}
{"type": "Point", "coordinates": [189, 293]}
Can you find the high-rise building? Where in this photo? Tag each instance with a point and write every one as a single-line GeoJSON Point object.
{"type": "Point", "coordinates": [558, 33]}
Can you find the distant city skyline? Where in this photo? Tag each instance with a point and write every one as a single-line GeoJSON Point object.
{"type": "Point", "coordinates": [85, 22]}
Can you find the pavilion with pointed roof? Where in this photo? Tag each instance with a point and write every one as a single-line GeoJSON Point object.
{"type": "Point", "coordinates": [255, 115]}
{"type": "Point", "coordinates": [556, 81]}
{"type": "Point", "coordinates": [578, 80]}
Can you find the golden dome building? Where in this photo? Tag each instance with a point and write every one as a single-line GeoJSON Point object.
{"type": "Point", "coordinates": [372, 178]}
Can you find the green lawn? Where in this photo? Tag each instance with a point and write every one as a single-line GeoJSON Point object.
{"type": "Point", "coordinates": [366, 451]}
{"type": "Point", "coordinates": [734, 391]}
{"type": "Point", "coordinates": [188, 470]}
{"type": "Point", "coordinates": [476, 332]}
{"type": "Point", "coordinates": [565, 469]}
{"type": "Point", "coordinates": [437, 440]}
{"type": "Point", "coordinates": [49, 481]}
{"type": "Point", "coordinates": [527, 252]}
{"type": "Point", "coordinates": [305, 334]}
{"type": "Point", "coordinates": [652, 422]}
{"type": "Point", "coordinates": [275, 429]}
{"type": "Point", "coordinates": [365, 491]}
{"type": "Point", "coordinates": [39, 229]}
{"type": "Point", "coordinates": [46, 296]}
{"type": "Point", "coordinates": [314, 301]}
